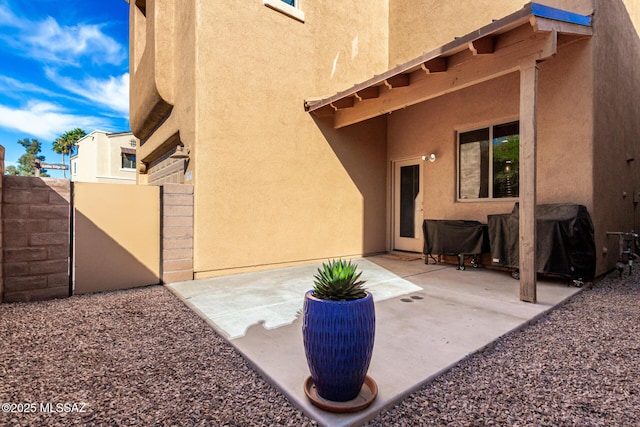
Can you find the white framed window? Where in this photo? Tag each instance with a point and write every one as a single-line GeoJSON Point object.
{"type": "Point", "coordinates": [288, 7]}
{"type": "Point", "coordinates": [489, 162]}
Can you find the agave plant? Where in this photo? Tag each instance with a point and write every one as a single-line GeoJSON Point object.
{"type": "Point", "coordinates": [337, 280]}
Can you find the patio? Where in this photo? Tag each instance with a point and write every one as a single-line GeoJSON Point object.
{"type": "Point", "coordinates": [429, 317]}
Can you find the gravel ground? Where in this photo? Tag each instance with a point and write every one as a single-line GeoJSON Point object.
{"type": "Point", "coordinates": [137, 357]}
{"type": "Point", "coordinates": [140, 357]}
{"type": "Point", "coordinates": [577, 366]}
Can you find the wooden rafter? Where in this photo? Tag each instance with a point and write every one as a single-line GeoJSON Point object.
{"type": "Point", "coordinates": [482, 46]}
{"type": "Point", "coordinates": [326, 111]}
{"type": "Point", "coordinates": [343, 103]}
{"type": "Point", "coordinates": [436, 65]}
{"type": "Point", "coordinates": [368, 93]}
{"type": "Point", "coordinates": [399, 80]}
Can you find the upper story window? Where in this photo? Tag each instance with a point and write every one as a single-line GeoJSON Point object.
{"type": "Point", "coordinates": [288, 7]}
{"type": "Point", "coordinates": [489, 170]}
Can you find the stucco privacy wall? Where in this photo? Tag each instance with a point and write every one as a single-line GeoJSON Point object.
{"type": "Point", "coordinates": [117, 236]}
{"type": "Point", "coordinates": [35, 241]}
{"type": "Point", "coordinates": [128, 236]}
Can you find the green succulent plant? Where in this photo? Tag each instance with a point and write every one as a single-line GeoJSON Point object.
{"type": "Point", "coordinates": [337, 280]}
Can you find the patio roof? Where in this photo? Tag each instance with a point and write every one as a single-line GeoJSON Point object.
{"type": "Point", "coordinates": [504, 41]}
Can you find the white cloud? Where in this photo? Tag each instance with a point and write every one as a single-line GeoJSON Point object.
{"type": "Point", "coordinates": [48, 40]}
{"type": "Point", "coordinates": [6, 16]}
{"type": "Point", "coordinates": [45, 121]}
{"type": "Point", "coordinates": [112, 93]}
{"type": "Point", "coordinates": [10, 86]}
{"type": "Point", "coordinates": [66, 44]}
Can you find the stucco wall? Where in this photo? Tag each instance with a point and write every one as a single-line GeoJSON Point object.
{"type": "Point", "coordinates": [617, 121]}
{"type": "Point", "coordinates": [117, 236]}
{"type": "Point", "coordinates": [270, 189]}
{"type": "Point", "coordinates": [163, 80]}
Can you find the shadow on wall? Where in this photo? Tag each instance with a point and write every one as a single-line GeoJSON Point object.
{"type": "Point", "coordinates": [102, 264]}
{"type": "Point", "coordinates": [116, 237]}
{"type": "Point", "coordinates": [362, 150]}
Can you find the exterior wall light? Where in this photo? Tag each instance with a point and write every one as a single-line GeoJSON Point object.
{"type": "Point", "coordinates": [431, 157]}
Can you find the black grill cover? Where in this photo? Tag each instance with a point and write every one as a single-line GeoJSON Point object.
{"type": "Point", "coordinates": [565, 240]}
{"type": "Point", "coordinates": [454, 237]}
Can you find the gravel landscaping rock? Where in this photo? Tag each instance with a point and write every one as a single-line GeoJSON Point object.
{"type": "Point", "coordinates": [140, 357]}
{"type": "Point", "coordinates": [136, 357]}
{"type": "Point", "coordinates": [577, 366]}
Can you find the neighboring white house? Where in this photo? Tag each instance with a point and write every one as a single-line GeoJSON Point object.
{"type": "Point", "coordinates": [105, 157]}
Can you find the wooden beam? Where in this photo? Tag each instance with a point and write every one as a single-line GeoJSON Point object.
{"type": "Point", "coordinates": [527, 208]}
{"type": "Point", "coordinates": [482, 46]}
{"type": "Point", "coordinates": [462, 74]}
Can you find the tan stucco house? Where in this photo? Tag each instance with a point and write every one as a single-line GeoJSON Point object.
{"type": "Point", "coordinates": [297, 121]}
{"type": "Point", "coordinates": [108, 157]}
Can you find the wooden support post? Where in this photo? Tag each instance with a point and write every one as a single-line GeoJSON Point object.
{"type": "Point", "coordinates": [527, 223]}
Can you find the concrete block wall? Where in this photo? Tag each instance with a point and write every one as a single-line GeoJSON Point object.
{"type": "Point", "coordinates": [36, 238]}
{"type": "Point", "coordinates": [176, 244]}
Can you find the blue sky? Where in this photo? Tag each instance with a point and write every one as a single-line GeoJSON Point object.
{"type": "Point", "coordinates": [63, 65]}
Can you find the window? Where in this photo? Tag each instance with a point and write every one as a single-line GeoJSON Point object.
{"type": "Point", "coordinates": [288, 7]}
{"type": "Point", "coordinates": [128, 161]}
{"type": "Point", "coordinates": [489, 170]}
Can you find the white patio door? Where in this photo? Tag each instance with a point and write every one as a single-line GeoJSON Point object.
{"type": "Point", "coordinates": [407, 205]}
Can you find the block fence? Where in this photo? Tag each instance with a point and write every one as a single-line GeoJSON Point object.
{"type": "Point", "coordinates": [35, 241]}
{"type": "Point", "coordinates": [176, 242]}
{"type": "Point", "coordinates": [35, 233]}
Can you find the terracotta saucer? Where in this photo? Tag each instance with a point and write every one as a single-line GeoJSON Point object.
{"type": "Point", "coordinates": [367, 395]}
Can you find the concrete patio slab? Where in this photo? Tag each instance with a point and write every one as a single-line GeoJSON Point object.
{"type": "Point", "coordinates": [428, 318]}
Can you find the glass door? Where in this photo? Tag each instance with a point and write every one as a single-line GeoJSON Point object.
{"type": "Point", "coordinates": [407, 209]}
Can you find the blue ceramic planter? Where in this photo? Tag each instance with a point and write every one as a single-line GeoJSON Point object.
{"type": "Point", "coordinates": [338, 342]}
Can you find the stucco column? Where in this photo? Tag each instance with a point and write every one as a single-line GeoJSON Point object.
{"type": "Point", "coordinates": [527, 223]}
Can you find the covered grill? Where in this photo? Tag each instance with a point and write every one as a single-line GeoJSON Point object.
{"type": "Point", "coordinates": [565, 244]}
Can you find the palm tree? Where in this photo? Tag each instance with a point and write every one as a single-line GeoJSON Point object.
{"type": "Point", "coordinates": [65, 143]}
